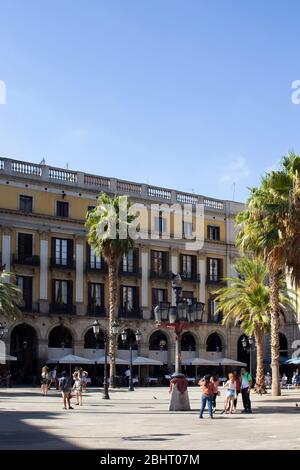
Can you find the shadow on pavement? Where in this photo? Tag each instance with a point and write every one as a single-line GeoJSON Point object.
{"type": "Point", "coordinates": [15, 433]}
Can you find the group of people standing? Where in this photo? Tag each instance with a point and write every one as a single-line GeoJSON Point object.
{"type": "Point", "coordinates": [236, 383]}
{"type": "Point", "coordinates": [63, 382]}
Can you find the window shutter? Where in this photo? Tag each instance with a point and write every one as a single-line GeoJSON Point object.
{"type": "Point", "coordinates": [136, 298]}
{"type": "Point", "coordinates": [53, 291]}
{"type": "Point", "coordinates": [102, 295]}
{"type": "Point", "coordinates": [88, 255]}
{"type": "Point", "coordinates": [21, 244]}
{"type": "Point", "coordinates": [70, 251]}
{"type": "Point", "coordinates": [194, 265]}
{"type": "Point", "coordinates": [153, 298]}
{"type": "Point", "coordinates": [89, 294]}
{"type": "Point", "coordinates": [181, 263]}
{"type": "Point", "coordinates": [136, 259]}
{"type": "Point", "coordinates": [70, 292]}
{"type": "Point", "coordinates": [220, 268]}
{"type": "Point", "coordinates": [121, 297]}
{"type": "Point", "coordinates": [166, 261]}
{"type": "Point", "coordinates": [152, 260]}
{"type": "Point", "coordinates": [53, 242]}
{"type": "Point", "coordinates": [207, 269]}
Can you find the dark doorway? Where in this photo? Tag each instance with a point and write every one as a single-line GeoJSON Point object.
{"type": "Point", "coordinates": [23, 345]}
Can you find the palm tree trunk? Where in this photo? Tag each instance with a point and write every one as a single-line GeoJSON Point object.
{"type": "Point", "coordinates": [113, 291]}
{"type": "Point", "coordinates": [275, 315]}
{"type": "Point", "coordinates": [260, 377]}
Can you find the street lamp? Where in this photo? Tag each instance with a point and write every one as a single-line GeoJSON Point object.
{"type": "Point", "coordinates": [248, 341]}
{"type": "Point", "coordinates": [129, 339]}
{"type": "Point", "coordinates": [180, 317]}
{"type": "Point", "coordinates": [96, 330]}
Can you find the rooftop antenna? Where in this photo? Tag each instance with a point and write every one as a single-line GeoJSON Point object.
{"type": "Point", "coordinates": [233, 191]}
{"type": "Point", "coordinates": [43, 162]}
{"type": "Point", "coordinates": [67, 166]}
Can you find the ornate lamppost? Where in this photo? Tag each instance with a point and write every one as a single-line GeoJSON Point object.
{"type": "Point", "coordinates": [179, 318]}
{"type": "Point", "coordinates": [247, 343]}
{"type": "Point", "coordinates": [96, 330]}
{"type": "Point", "coordinates": [129, 339]}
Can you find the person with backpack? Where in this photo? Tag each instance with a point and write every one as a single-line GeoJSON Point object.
{"type": "Point", "coordinates": [65, 387]}
{"type": "Point", "coordinates": [246, 383]}
{"type": "Point", "coordinates": [207, 389]}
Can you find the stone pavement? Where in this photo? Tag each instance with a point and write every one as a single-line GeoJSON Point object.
{"type": "Point", "coordinates": [141, 420]}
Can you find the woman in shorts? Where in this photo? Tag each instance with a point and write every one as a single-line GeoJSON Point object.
{"type": "Point", "coordinates": [230, 394]}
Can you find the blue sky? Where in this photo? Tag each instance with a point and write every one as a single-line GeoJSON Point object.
{"type": "Point", "coordinates": [193, 95]}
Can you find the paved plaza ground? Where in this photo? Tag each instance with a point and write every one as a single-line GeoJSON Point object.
{"type": "Point", "coordinates": [141, 420]}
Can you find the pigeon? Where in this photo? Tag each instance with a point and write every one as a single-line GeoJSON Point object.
{"type": "Point", "coordinates": [297, 405]}
{"type": "Point", "coordinates": [154, 397]}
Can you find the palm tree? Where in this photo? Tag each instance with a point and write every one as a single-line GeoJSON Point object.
{"type": "Point", "coordinates": [10, 297]}
{"type": "Point", "coordinates": [271, 229]}
{"type": "Point", "coordinates": [107, 224]}
{"type": "Point", "coordinates": [246, 302]}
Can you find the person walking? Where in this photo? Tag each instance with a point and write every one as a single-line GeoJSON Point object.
{"type": "Point", "coordinates": [65, 387]}
{"type": "Point", "coordinates": [216, 382]}
{"type": "Point", "coordinates": [45, 380]}
{"type": "Point", "coordinates": [246, 383]}
{"type": "Point", "coordinates": [78, 386]}
{"type": "Point", "coordinates": [207, 389]}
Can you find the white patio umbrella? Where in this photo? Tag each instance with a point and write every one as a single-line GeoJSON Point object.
{"type": "Point", "coordinates": [198, 361]}
{"type": "Point", "coordinates": [101, 360]}
{"type": "Point", "coordinates": [7, 358]}
{"type": "Point", "coordinates": [225, 361]}
{"type": "Point", "coordinates": [145, 361]}
{"type": "Point", "coordinates": [70, 359]}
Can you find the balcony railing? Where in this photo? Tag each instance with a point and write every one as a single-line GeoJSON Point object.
{"type": "Point", "coordinates": [54, 263]}
{"type": "Point", "coordinates": [136, 313]}
{"type": "Point", "coordinates": [96, 311]}
{"type": "Point", "coordinates": [160, 274]}
{"type": "Point", "coordinates": [33, 260]}
{"type": "Point", "coordinates": [102, 269]}
{"type": "Point", "coordinates": [194, 277]}
{"type": "Point", "coordinates": [215, 280]}
{"type": "Point", "coordinates": [96, 183]}
{"type": "Point", "coordinates": [214, 318]}
{"type": "Point", "coordinates": [62, 308]}
{"type": "Point", "coordinates": [135, 272]}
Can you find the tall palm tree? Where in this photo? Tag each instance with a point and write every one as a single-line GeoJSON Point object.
{"type": "Point", "coordinates": [10, 297]}
{"type": "Point", "coordinates": [271, 229]}
{"type": "Point", "coordinates": [246, 302]}
{"type": "Point", "coordinates": [108, 224]}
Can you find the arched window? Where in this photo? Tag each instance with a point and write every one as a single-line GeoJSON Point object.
{"type": "Point", "coordinates": [158, 341]}
{"type": "Point", "coordinates": [214, 343]}
{"type": "Point", "coordinates": [60, 337]}
{"type": "Point", "coordinates": [130, 339]}
{"type": "Point", "coordinates": [283, 345]}
{"type": "Point", "coordinates": [188, 342]}
{"type": "Point", "coordinates": [90, 341]}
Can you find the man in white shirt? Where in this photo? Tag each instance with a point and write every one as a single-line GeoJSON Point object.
{"type": "Point", "coordinates": [246, 383]}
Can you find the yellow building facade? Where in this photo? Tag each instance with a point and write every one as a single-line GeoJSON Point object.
{"type": "Point", "coordinates": [43, 241]}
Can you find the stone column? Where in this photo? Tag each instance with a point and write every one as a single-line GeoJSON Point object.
{"type": "Point", "coordinates": [78, 348]}
{"type": "Point", "coordinates": [6, 249]}
{"type": "Point", "coordinates": [44, 268]}
{"type": "Point", "coordinates": [80, 307]}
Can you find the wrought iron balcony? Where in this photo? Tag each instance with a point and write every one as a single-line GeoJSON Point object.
{"type": "Point", "coordinates": [135, 272]}
{"type": "Point", "coordinates": [96, 311]}
{"type": "Point", "coordinates": [160, 274]}
{"type": "Point", "coordinates": [70, 264]}
{"type": "Point", "coordinates": [190, 276]}
{"type": "Point", "coordinates": [32, 260]}
{"type": "Point", "coordinates": [62, 308]}
{"type": "Point", "coordinates": [130, 314]}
